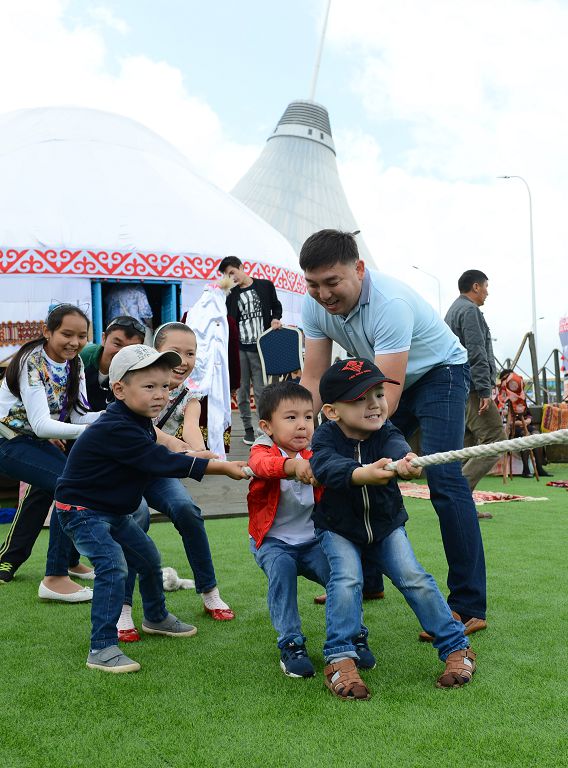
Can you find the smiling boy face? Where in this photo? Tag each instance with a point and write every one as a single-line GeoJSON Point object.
{"type": "Point", "coordinates": [291, 426]}
{"type": "Point", "coordinates": [359, 418]}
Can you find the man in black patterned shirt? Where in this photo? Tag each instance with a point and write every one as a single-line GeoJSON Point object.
{"type": "Point", "coordinates": [254, 305]}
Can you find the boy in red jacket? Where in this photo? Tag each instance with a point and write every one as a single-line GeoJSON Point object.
{"type": "Point", "coordinates": [280, 505]}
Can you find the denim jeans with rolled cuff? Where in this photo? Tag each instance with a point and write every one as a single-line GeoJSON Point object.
{"type": "Point", "coordinates": [396, 559]}
{"type": "Point", "coordinates": [168, 496]}
{"type": "Point", "coordinates": [283, 563]}
{"type": "Point", "coordinates": [113, 543]}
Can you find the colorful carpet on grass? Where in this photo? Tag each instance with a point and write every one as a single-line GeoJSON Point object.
{"type": "Point", "coordinates": [416, 491]}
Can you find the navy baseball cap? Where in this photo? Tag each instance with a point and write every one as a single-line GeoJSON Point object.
{"type": "Point", "coordinates": [348, 380]}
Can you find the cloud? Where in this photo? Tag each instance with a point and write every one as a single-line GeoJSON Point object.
{"type": "Point", "coordinates": [474, 90]}
{"type": "Point", "coordinates": [67, 62]}
{"type": "Point", "coordinates": [109, 18]}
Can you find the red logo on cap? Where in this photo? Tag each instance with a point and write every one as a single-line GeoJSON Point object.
{"type": "Point", "coordinates": [357, 367]}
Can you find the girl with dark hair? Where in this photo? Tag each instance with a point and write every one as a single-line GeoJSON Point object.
{"type": "Point", "coordinates": [43, 403]}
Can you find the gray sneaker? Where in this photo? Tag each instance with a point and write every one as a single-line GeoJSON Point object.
{"type": "Point", "coordinates": [112, 659]}
{"type": "Point", "coordinates": [170, 626]}
{"type": "Point", "coordinates": [249, 437]}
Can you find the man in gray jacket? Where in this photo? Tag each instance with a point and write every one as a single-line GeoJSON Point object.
{"type": "Point", "coordinates": [483, 421]}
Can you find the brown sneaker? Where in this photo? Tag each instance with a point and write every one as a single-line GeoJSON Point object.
{"type": "Point", "coordinates": [320, 599]}
{"type": "Point", "coordinates": [342, 679]}
{"type": "Point", "coordinates": [460, 666]}
{"type": "Point", "coordinates": [472, 625]}
{"type": "Point", "coordinates": [373, 595]}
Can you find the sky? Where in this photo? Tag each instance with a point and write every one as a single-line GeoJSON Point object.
{"type": "Point", "coordinates": [429, 103]}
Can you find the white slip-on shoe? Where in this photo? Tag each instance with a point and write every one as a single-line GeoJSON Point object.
{"type": "Point", "coordinates": [83, 595]}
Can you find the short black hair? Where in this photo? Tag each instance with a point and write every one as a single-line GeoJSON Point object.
{"type": "Point", "coordinates": [328, 247]}
{"type": "Point", "coordinates": [469, 277]}
{"type": "Point", "coordinates": [229, 261]}
{"type": "Point", "coordinates": [274, 394]}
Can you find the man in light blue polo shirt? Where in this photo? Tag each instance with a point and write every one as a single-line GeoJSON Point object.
{"type": "Point", "coordinates": [376, 316]}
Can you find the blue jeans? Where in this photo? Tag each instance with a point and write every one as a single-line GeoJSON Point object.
{"type": "Point", "coordinates": [112, 543]}
{"type": "Point", "coordinates": [142, 517]}
{"type": "Point", "coordinates": [396, 559]}
{"type": "Point", "coordinates": [436, 404]}
{"type": "Point", "coordinates": [283, 563]}
{"type": "Point", "coordinates": [40, 463]}
{"type": "Point", "coordinates": [168, 495]}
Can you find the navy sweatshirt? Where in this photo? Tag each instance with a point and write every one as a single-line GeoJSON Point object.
{"type": "Point", "coordinates": [113, 460]}
{"type": "Point", "coordinates": [361, 513]}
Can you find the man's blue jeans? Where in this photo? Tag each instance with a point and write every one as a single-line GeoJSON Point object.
{"type": "Point", "coordinates": [396, 559]}
{"type": "Point", "coordinates": [169, 496]}
{"type": "Point", "coordinates": [436, 404]}
{"type": "Point", "coordinates": [113, 543]}
{"type": "Point", "coordinates": [283, 563]}
{"type": "Point", "coordinates": [40, 463]}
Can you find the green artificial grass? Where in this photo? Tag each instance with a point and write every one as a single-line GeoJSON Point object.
{"type": "Point", "coordinates": [220, 699]}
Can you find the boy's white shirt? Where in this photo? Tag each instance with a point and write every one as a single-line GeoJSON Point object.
{"type": "Point", "coordinates": [292, 523]}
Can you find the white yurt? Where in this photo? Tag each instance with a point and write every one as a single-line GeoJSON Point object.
{"type": "Point", "coordinates": [89, 199]}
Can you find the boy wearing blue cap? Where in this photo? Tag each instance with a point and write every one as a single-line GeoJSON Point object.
{"type": "Point", "coordinates": [361, 510]}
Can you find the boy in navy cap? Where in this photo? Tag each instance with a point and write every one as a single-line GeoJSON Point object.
{"type": "Point", "coordinates": [361, 510]}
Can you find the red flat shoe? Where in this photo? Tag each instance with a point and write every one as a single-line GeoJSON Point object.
{"type": "Point", "coordinates": [128, 635]}
{"type": "Point", "coordinates": [220, 614]}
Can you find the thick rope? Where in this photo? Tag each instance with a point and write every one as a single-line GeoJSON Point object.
{"type": "Point", "coordinates": [490, 449]}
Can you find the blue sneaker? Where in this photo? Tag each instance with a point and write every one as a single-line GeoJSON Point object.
{"type": "Point", "coordinates": [366, 658]}
{"type": "Point", "coordinates": [294, 660]}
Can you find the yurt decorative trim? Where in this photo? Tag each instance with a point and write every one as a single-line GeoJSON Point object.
{"type": "Point", "coordinates": [91, 263]}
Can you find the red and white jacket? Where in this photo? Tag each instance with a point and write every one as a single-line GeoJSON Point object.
{"type": "Point", "coordinates": [267, 463]}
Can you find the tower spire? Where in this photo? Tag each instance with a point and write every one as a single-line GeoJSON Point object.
{"type": "Point", "coordinates": [319, 54]}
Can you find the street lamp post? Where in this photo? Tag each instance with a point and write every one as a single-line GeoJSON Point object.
{"type": "Point", "coordinates": [533, 290]}
{"type": "Point", "coordinates": [439, 286]}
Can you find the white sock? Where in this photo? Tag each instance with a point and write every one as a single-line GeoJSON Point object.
{"type": "Point", "coordinates": [125, 620]}
{"type": "Point", "coordinates": [212, 600]}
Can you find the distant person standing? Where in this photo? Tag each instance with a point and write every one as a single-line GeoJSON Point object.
{"type": "Point", "coordinates": [254, 306]}
{"type": "Point", "coordinates": [483, 421]}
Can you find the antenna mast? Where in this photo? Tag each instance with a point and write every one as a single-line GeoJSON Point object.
{"type": "Point", "coordinates": [320, 51]}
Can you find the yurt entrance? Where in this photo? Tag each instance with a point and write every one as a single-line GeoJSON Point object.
{"type": "Point", "coordinates": [152, 301]}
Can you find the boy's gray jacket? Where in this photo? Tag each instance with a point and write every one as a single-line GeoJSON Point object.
{"type": "Point", "coordinates": [362, 514]}
{"type": "Point", "coordinates": [467, 322]}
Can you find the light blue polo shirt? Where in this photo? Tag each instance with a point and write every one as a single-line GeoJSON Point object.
{"type": "Point", "coordinates": [389, 317]}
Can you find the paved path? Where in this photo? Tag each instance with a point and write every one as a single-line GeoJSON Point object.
{"type": "Point", "coordinates": [219, 496]}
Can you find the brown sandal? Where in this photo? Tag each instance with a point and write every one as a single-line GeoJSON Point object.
{"type": "Point", "coordinates": [342, 679]}
{"type": "Point", "coordinates": [460, 666]}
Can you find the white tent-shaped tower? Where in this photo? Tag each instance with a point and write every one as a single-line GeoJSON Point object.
{"type": "Point", "coordinates": [294, 185]}
{"type": "Point", "coordinates": [89, 198]}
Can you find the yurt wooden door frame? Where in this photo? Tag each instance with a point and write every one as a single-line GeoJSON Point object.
{"type": "Point", "coordinates": [164, 297]}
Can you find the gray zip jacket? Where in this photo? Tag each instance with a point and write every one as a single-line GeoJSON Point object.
{"type": "Point", "coordinates": [467, 322]}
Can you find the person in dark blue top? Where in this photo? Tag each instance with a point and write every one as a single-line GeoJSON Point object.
{"type": "Point", "coordinates": [361, 512]}
{"type": "Point", "coordinates": [102, 485]}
